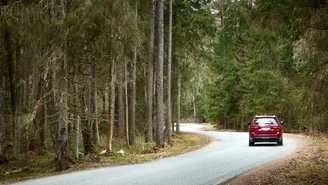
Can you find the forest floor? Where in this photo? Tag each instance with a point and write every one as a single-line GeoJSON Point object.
{"type": "Point", "coordinates": [33, 165]}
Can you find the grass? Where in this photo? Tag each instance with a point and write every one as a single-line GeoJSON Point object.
{"type": "Point", "coordinates": [35, 166]}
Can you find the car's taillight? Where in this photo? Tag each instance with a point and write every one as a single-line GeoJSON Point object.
{"type": "Point", "coordinates": [254, 128]}
{"type": "Point", "coordinates": [276, 128]}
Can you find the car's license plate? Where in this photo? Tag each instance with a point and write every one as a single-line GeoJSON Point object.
{"type": "Point", "coordinates": [265, 129]}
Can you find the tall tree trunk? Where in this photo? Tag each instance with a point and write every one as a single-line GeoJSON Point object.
{"type": "Point", "coordinates": [62, 144]}
{"type": "Point", "coordinates": [86, 135]}
{"type": "Point", "coordinates": [38, 142]}
{"type": "Point", "coordinates": [159, 105]}
{"type": "Point", "coordinates": [132, 97]}
{"type": "Point", "coordinates": [77, 136]}
{"type": "Point", "coordinates": [77, 122]}
{"type": "Point", "coordinates": [149, 126]}
{"type": "Point", "coordinates": [111, 105]}
{"type": "Point", "coordinates": [16, 80]}
{"type": "Point", "coordinates": [26, 83]}
{"type": "Point", "coordinates": [168, 131]}
{"type": "Point", "coordinates": [42, 119]}
{"type": "Point", "coordinates": [94, 110]}
{"type": "Point", "coordinates": [11, 70]}
{"type": "Point", "coordinates": [52, 117]}
{"type": "Point", "coordinates": [178, 101]}
{"type": "Point", "coordinates": [6, 57]}
{"type": "Point", "coordinates": [111, 94]}
{"type": "Point", "coordinates": [126, 104]}
{"type": "Point", "coordinates": [155, 103]}
{"type": "Point", "coordinates": [3, 158]}
{"type": "Point", "coordinates": [120, 100]}
{"type": "Point", "coordinates": [194, 107]}
{"type": "Point", "coordinates": [86, 122]}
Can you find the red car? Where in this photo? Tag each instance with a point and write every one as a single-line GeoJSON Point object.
{"type": "Point", "coordinates": [265, 128]}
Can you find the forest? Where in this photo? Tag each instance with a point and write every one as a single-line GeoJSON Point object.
{"type": "Point", "coordinates": [77, 76]}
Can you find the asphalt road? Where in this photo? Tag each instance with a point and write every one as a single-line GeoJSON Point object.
{"type": "Point", "coordinates": [227, 156]}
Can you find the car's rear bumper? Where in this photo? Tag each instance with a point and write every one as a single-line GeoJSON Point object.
{"type": "Point", "coordinates": [265, 139]}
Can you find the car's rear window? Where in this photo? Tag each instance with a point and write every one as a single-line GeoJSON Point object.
{"type": "Point", "coordinates": [265, 121]}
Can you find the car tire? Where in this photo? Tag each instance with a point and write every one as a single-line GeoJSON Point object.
{"type": "Point", "coordinates": [280, 143]}
{"type": "Point", "coordinates": [250, 143]}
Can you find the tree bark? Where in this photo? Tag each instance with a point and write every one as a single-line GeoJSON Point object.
{"type": "Point", "coordinates": [178, 102]}
{"type": "Point", "coordinates": [132, 97]}
{"type": "Point", "coordinates": [8, 45]}
{"type": "Point", "coordinates": [104, 100]}
{"type": "Point", "coordinates": [111, 105]}
{"type": "Point", "coordinates": [86, 136]}
{"type": "Point", "coordinates": [194, 107]}
{"type": "Point", "coordinates": [50, 84]}
{"type": "Point", "coordinates": [62, 146]}
{"type": "Point", "coordinates": [86, 121]}
{"type": "Point", "coordinates": [62, 143]}
{"type": "Point", "coordinates": [155, 100]}
{"type": "Point", "coordinates": [159, 106]}
{"type": "Point", "coordinates": [149, 126]}
{"type": "Point", "coordinates": [16, 80]}
{"type": "Point", "coordinates": [94, 110]}
{"type": "Point", "coordinates": [3, 157]}
{"type": "Point", "coordinates": [77, 136]}
{"type": "Point", "coordinates": [77, 123]}
{"type": "Point", "coordinates": [26, 83]}
{"type": "Point", "coordinates": [38, 142]}
{"type": "Point", "coordinates": [126, 104]}
{"type": "Point", "coordinates": [52, 117]}
{"type": "Point", "coordinates": [120, 101]}
{"type": "Point", "coordinates": [168, 131]}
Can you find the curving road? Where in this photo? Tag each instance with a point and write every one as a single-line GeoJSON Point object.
{"type": "Point", "coordinates": [227, 156]}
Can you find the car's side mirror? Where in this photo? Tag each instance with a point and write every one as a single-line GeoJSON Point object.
{"type": "Point", "coordinates": [249, 123]}
{"type": "Point", "coordinates": [282, 122]}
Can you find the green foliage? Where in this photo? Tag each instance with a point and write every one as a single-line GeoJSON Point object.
{"type": "Point", "coordinates": [194, 29]}
{"type": "Point", "coordinates": [269, 60]}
